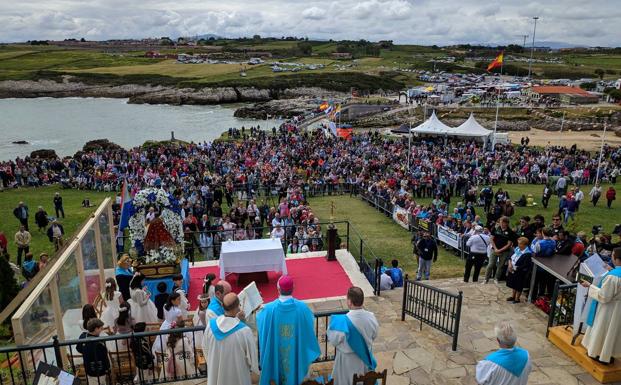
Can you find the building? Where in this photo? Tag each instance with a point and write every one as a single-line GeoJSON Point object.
{"type": "Point", "coordinates": [563, 94]}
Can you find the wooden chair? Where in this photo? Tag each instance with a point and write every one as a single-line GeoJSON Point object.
{"type": "Point", "coordinates": [122, 366]}
{"type": "Point", "coordinates": [77, 361]}
{"type": "Point", "coordinates": [200, 362]}
{"type": "Point", "coordinates": [313, 382]}
{"type": "Point", "coordinates": [370, 378]}
{"type": "Point", "coordinates": [99, 304]}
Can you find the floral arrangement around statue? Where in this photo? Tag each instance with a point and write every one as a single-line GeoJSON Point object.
{"type": "Point", "coordinates": [161, 242]}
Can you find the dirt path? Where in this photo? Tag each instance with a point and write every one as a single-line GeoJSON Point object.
{"type": "Point", "coordinates": [587, 140]}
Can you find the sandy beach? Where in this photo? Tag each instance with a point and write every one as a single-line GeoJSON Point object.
{"type": "Point", "coordinates": [586, 140]}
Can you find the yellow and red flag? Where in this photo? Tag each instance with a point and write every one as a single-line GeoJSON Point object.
{"type": "Point", "coordinates": [497, 62]}
{"type": "Point", "coordinates": [323, 106]}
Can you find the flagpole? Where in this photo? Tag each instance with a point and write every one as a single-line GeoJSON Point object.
{"type": "Point", "coordinates": [497, 107]}
{"type": "Point", "coordinates": [601, 152]}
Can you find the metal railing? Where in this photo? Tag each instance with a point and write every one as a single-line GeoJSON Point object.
{"type": "Point", "coordinates": [129, 358]}
{"type": "Point", "coordinates": [562, 305]}
{"type": "Point", "coordinates": [435, 307]}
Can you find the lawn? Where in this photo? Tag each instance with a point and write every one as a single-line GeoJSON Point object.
{"type": "Point", "coordinates": [169, 68]}
{"type": "Point", "coordinates": [75, 214]}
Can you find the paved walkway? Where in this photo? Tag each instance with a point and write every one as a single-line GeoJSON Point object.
{"type": "Point", "coordinates": [415, 356]}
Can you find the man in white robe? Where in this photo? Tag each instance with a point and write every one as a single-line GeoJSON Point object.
{"type": "Point", "coordinates": [215, 308]}
{"type": "Point", "coordinates": [356, 359]}
{"type": "Point", "coordinates": [510, 365]}
{"type": "Point", "coordinates": [230, 348]}
{"type": "Point", "coordinates": [603, 335]}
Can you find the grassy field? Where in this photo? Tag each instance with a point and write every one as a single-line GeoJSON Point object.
{"type": "Point", "coordinates": [75, 214]}
{"type": "Point", "coordinates": [169, 68]}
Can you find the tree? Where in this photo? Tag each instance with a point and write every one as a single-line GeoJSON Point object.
{"type": "Point", "coordinates": [256, 38]}
{"type": "Point", "coordinates": [615, 94]}
{"type": "Point", "coordinates": [9, 287]}
{"type": "Point", "coordinates": [305, 48]}
{"type": "Point", "coordinates": [600, 72]}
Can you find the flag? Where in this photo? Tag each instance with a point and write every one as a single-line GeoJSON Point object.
{"type": "Point", "coordinates": [328, 110]}
{"type": "Point", "coordinates": [126, 207]}
{"type": "Point", "coordinates": [337, 111]}
{"type": "Point", "coordinates": [496, 63]}
{"type": "Point", "coordinates": [332, 126]}
{"type": "Point", "coordinates": [323, 106]}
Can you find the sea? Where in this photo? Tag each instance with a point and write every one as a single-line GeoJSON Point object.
{"type": "Point", "coordinates": [65, 124]}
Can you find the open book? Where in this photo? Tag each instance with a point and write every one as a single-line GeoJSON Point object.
{"type": "Point", "coordinates": [250, 298]}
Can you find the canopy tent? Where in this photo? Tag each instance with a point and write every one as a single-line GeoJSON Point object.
{"type": "Point", "coordinates": [433, 126]}
{"type": "Point", "coordinates": [471, 128]}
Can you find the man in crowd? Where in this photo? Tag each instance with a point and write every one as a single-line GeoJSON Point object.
{"type": "Point", "coordinates": [215, 308]}
{"type": "Point", "coordinates": [230, 347]}
{"type": "Point", "coordinates": [386, 282]}
{"type": "Point", "coordinates": [22, 241]}
{"type": "Point", "coordinates": [477, 244]}
{"type": "Point", "coordinates": [396, 274]}
{"type": "Point", "coordinates": [287, 338]}
{"type": "Point", "coordinates": [55, 234]}
{"type": "Point", "coordinates": [427, 252]}
{"type": "Point", "coordinates": [556, 226]}
{"type": "Point", "coordinates": [510, 365]}
{"type": "Point", "coordinates": [30, 267]}
{"type": "Point", "coordinates": [353, 334]}
{"type": "Point", "coordinates": [21, 213]}
{"type": "Point", "coordinates": [41, 219]}
{"type": "Point", "coordinates": [58, 205]}
{"type": "Point", "coordinates": [503, 239]}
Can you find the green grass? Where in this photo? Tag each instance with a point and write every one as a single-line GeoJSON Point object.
{"type": "Point", "coordinates": [75, 214]}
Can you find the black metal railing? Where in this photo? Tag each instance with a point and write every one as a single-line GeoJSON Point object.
{"type": "Point", "coordinates": [562, 305]}
{"type": "Point", "coordinates": [435, 307]}
{"type": "Point", "coordinates": [136, 358]}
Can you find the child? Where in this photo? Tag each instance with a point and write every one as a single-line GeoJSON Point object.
{"type": "Point", "coordinates": [88, 313]}
{"type": "Point", "coordinates": [124, 324]}
{"type": "Point", "coordinates": [113, 300]}
{"type": "Point", "coordinates": [208, 287]}
{"type": "Point", "coordinates": [178, 288]}
{"type": "Point", "coordinates": [160, 299]}
{"type": "Point", "coordinates": [172, 315]}
{"type": "Point", "coordinates": [200, 318]}
{"type": "Point", "coordinates": [144, 309]}
{"type": "Point", "coordinates": [95, 354]}
{"type": "Point", "coordinates": [181, 350]}
{"type": "Point", "coordinates": [142, 355]}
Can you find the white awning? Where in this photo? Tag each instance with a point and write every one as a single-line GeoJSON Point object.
{"type": "Point", "coordinates": [433, 125]}
{"type": "Point", "coordinates": [471, 128]}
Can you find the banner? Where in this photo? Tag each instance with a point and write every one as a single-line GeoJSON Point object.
{"type": "Point", "coordinates": [592, 268]}
{"type": "Point", "coordinates": [449, 237]}
{"type": "Point", "coordinates": [400, 215]}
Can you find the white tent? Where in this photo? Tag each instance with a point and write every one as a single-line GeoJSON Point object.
{"type": "Point", "coordinates": [433, 125]}
{"type": "Point", "coordinates": [471, 128]}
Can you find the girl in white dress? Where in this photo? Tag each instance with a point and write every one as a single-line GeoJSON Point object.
{"type": "Point", "coordinates": [180, 355]}
{"type": "Point", "coordinates": [172, 315]}
{"type": "Point", "coordinates": [143, 309]}
{"type": "Point", "coordinates": [208, 287]}
{"type": "Point", "coordinates": [200, 317]}
{"type": "Point", "coordinates": [113, 300]}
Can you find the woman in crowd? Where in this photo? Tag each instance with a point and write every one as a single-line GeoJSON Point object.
{"type": "Point", "coordinates": [519, 267]}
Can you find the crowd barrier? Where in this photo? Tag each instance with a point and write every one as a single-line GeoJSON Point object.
{"type": "Point", "coordinates": [435, 307]}
{"type": "Point", "coordinates": [129, 364]}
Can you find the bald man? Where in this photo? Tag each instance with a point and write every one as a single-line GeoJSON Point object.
{"type": "Point", "coordinates": [230, 347]}
{"type": "Point", "coordinates": [215, 308]}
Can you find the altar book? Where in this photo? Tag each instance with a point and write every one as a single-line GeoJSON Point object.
{"type": "Point", "coordinates": [250, 298]}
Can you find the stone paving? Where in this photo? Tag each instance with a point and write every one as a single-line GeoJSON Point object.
{"type": "Point", "coordinates": [424, 357]}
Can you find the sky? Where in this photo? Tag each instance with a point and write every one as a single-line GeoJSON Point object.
{"type": "Point", "coordinates": [445, 22]}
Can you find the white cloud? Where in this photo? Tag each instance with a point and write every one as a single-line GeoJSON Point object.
{"type": "Point", "coordinates": [405, 21]}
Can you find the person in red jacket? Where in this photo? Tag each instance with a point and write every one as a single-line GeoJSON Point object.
{"type": "Point", "coordinates": [611, 195]}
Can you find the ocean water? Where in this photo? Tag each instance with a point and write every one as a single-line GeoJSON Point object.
{"type": "Point", "coordinates": [65, 124]}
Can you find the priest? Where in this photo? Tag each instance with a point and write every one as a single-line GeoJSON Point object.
{"type": "Point", "coordinates": [215, 308]}
{"type": "Point", "coordinates": [287, 338]}
{"type": "Point", "coordinates": [352, 334]}
{"type": "Point", "coordinates": [509, 365]}
{"type": "Point", "coordinates": [603, 335]}
{"type": "Point", "coordinates": [230, 347]}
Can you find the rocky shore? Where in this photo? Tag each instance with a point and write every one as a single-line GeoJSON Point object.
{"type": "Point", "coordinates": [147, 94]}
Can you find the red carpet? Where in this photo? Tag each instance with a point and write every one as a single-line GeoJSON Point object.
{"type": "Point", "coordinates": [313, 278]}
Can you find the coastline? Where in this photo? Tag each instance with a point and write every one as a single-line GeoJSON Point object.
{"type": "Point", "coordinates": [154, 94]}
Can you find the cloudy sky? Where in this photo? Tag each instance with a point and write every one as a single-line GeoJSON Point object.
{"type": "Point", "coordinates": [594, 22]}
